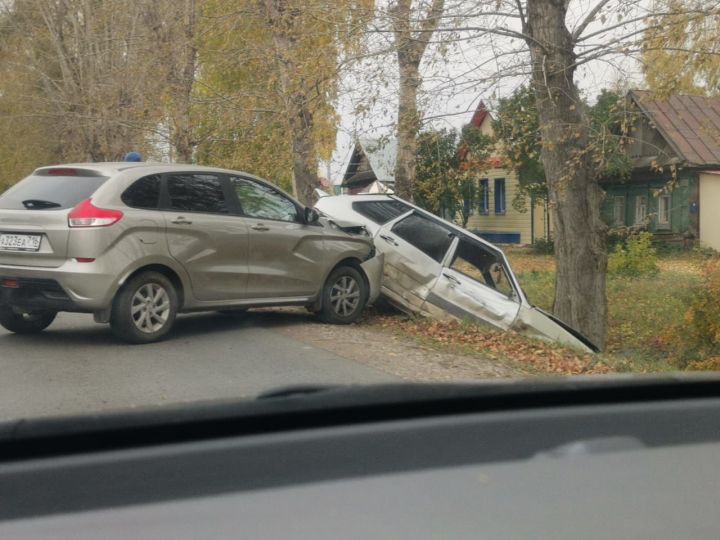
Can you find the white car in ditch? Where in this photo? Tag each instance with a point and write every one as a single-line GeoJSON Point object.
{"type": "Point", "coordinates": [435, 268]}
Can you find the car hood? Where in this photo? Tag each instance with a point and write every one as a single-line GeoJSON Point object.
{"type": "Point", "coordinates": [350, 227]}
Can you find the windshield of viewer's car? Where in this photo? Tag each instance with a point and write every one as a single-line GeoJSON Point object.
{"type": "Point", "coordinates": [206, 201]}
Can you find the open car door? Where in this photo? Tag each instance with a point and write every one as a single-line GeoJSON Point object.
{"type": "Point", "coordinates": [475, 284]}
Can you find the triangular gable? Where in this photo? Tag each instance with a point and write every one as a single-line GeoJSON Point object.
{"type": "Point", "coordinates": [371, 159]}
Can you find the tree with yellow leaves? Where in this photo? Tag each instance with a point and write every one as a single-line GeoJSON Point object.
{"type": "Point", "coordinates": [681, 50]}
{"type": "Point", "coordinates": [268, 83]}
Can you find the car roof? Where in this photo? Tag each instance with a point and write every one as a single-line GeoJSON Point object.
{"type": "Point", "coordinates": [367, 197]}
{"type": "Point", "coordinates": [109, 168]}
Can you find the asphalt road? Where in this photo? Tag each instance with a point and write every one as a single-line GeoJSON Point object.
{"type": "Point", "coordinates": [77, 366]}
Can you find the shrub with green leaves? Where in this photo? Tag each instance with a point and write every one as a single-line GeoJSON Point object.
{"type": "Point", "coordinates": [635, 257]}
{"type": "Point", "coordinates": [543, 246]}
{"type": "Point", "coordinates": [696, 339]}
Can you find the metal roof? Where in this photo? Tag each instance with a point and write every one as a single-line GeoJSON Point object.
{"type": "Point", "coordinates": [690, 124]}
{"type": "Point", "coordinates": [380, 153]}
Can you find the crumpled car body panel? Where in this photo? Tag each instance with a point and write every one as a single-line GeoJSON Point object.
{"type": "Point", "coordinates": [373, 268]}
{"type": "Point", "coordinates": [437, 269]}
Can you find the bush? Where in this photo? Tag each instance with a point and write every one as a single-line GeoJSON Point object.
{"type": "Point", "coordinates": [636, 257]}
{"type": "Point", "coordinates": [543, 246]}
{"type": "Point", "coordinates": [699, 333]}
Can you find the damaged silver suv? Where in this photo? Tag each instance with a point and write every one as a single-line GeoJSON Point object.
{"type": "Point", "coordinates": [134, 244]}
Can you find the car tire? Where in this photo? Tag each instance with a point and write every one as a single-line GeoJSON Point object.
{"type": "Point", "coordinates": [344, 296]}
{"type": "Point", "coordinates": [25, 323]}
{"type": "Point", "coordinates": [144, 309]}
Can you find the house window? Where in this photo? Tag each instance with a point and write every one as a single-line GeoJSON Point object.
{"type": "Point", "coordinates": [484, 196]}
{"type": "Point", "coordinates": [499, 195]}
{"type": "Point", "coordinates": [663, 216]}
{"type": "Point", "coordinates": [640, 209]}
{"type": "Point", "coordinates": [619, 211]}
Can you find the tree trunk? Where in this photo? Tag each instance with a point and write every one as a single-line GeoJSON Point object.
{"type": "Point", "coordinates": [410, 45]}
{"type": "Point", "coordinates": [575, 196]}
{"type": "Point", "coordinates": [281, 20]}
{"type": "Point", "coordinates": [408, 127]}
{"type": "Point", "coordinates": [305, 164]}
{"type": "Point", "coordinates": [182, 129]}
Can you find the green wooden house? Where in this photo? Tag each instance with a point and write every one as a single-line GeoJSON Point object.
{"type": "Point", "coordinates": [680, 133]}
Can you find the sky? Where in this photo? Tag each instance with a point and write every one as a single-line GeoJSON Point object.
{"type": "Point", "coordinates": [461, 68]}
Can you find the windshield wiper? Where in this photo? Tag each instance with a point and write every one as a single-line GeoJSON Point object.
{"type": "Point", "coordinates": [298, 390]}
{"type": "Point", "coordinates": [39, 204]}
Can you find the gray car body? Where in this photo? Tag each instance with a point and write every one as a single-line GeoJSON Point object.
{"type": "Point", "coordinates": [415, 283]}
{"type": "Point", "coordinates": [212, 259]}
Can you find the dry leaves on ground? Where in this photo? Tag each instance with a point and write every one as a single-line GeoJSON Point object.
{"type": "Point", "coordinates": [501, 346]}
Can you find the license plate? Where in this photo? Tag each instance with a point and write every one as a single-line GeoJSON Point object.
{"type": "Point", "coordinates": [20, 242]}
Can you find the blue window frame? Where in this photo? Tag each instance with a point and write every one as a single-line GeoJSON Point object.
{"type": "Point", "coordinates": [484, 197]}
{"type": "Point", "coordinates": [499, 195]}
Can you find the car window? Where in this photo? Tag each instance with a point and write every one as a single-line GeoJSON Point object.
{"type": "Point", "coordinates": [259, 201]}
{"type": "Point", "coordinates": [482, 265]}
{"type": "Point", "coordinates": [427, 235]}
{"type": "Point", "coordinates": [197, 193]}
{"type": "Point", "coordinates": [381, 212]}
{"type": "Point", "coordinates": [143, 193]}
{"type": "Point", "coordinates": [50, 192]}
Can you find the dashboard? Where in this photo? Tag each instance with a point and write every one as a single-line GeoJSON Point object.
{"type": "Point", "coordinates": [564, 460]}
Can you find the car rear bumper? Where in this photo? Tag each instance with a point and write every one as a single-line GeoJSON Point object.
{"type": "Point", "coordinates": [33, 294]}
{"type": "Point", "coordinates": [73, 286]}
{"type": "Point", "coordinates": [373, 269]}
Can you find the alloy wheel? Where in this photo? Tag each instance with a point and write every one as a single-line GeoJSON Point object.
{"type": "Point", "coordinates": [345, 296]}
{"type": "Point", "coordinates": [150, 307]}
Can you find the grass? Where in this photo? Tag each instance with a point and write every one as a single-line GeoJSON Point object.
{"type": "Point", "coordinates": [640, 310]}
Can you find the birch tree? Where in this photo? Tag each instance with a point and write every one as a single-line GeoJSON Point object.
{"type": "Point", "coordinates": [173, 29]}
{"type": "Point", "coordinates": [271, 67]}
{"type": "Point", "coordinates": [412, 29]}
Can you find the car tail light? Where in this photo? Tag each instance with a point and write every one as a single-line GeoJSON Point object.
{"type": "Point", "coordinates": [85, 214]}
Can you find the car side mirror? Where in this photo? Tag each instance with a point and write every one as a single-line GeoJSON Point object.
{"type": "Point", "coordinates": [311, 215]}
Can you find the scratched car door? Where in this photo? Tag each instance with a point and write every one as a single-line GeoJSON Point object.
{"type": "Point", "coordinates": [415, 247]}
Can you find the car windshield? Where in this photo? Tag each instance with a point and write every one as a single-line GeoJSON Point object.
{"type": "Point", "coordinates": [55, 192]}
{"type": "Point", "coordinates": [206, 201]}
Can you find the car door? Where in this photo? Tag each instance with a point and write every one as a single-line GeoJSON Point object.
{"type": "Point", "coordinates": [205, 234]}
{"type": "Point", "coordinates": [475, 284]}
{"type": "Point", "coordinates": [415, 247]}
{"type": "Point", "coordinates": [286, 257]}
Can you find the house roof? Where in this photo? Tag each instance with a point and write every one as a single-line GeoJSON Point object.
{"type": "Point", "coordinates": [479, 115]}
{"type": "Point", "coordinates": [381, 156]}
{"type": "Point", "coordinates": [690, 124]}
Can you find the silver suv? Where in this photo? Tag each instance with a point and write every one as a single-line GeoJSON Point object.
{"type": "Point", "coordinates": [136, 243]}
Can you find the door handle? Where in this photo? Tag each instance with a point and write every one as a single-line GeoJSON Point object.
{"type": "Point", "coordinates": [181, 220]}
{"type": "Point", "coordinates": [260, 227]}
{"type": "Point", "coordinates": [452, 279]}
{"type": "Point", "coordinates": [389, 239]}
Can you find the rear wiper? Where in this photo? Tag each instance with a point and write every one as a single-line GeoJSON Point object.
{"type": "Point", "coordinates": [39, 204]}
